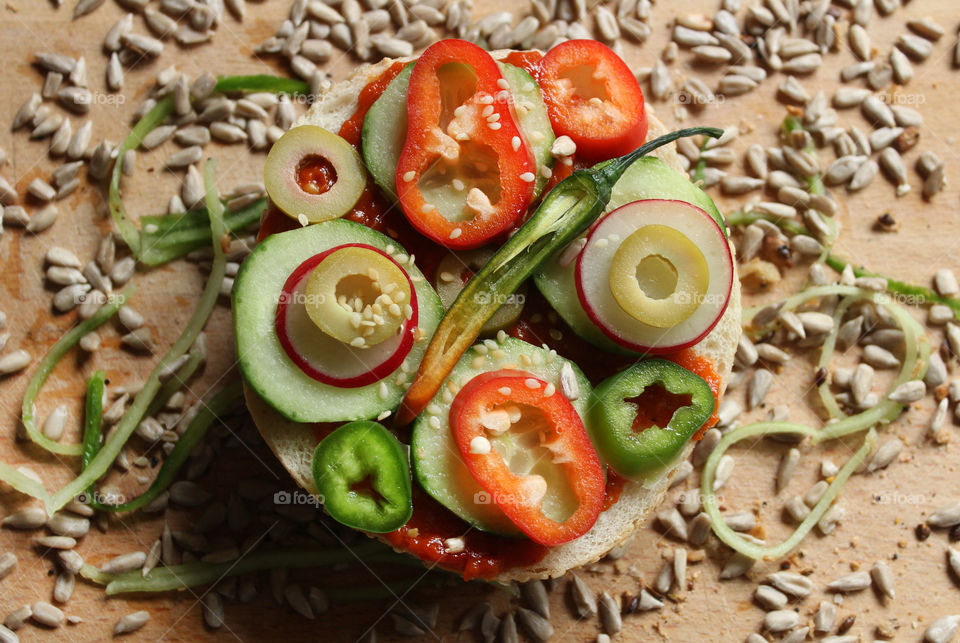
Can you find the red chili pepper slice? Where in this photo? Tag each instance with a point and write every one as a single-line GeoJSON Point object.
{"type": "Point", "coordinates": [593, 97]}
{"type": "Point", "coordinates": [465, 172]}
{"type": "Point", "coordinates": [555, 425]}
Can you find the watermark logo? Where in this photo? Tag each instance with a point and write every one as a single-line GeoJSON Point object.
{"type": "Point", "coordinates": [903, 99]}
{"type": "Point", "coordinates": [501, 299]}
{"type": "Point", "coordinates": [894, 497]}
{"type": "Point", "coordinates": [100, 497]}
{"type": "Point", "coordinates": [297, 497]}
{"type": "Point", "coordinates": [904, 299]}
{"type": "Point", "coordinates": [685, 297]}
{"type": "Point", "coordinates": [699, 100]}
{"type": "Point", "coordinates": [302, 298]}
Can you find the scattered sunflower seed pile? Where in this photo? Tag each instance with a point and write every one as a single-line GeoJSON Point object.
{"type": "Point", "coordinates": [782, 41]}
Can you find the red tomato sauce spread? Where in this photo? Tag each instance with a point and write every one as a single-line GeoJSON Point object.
{"type": "Point", "coordinates": [528, 61]}
{"type": "Point", "coordinates": [484, 555]}
{"type": "Point", "coordinates": [353, 126]}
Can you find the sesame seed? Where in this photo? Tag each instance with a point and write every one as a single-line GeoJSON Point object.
{"type": "Point", "coordinates": [487, 111]}
{"type": "Point", "coordinates": [515, 142]}
{"type": "Point", "coordinates": [456, 232]}
{"type": "Point", "coordinates": [528, 177]}
{"type": "Point", "coordinates": [494, 126]}
{"type": "Point", "coordinates": [493, 118]}
{"type": "Point", "coordinates": [409, 176]}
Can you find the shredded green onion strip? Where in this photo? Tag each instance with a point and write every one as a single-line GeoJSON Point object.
{"type": "Point", "coordinates": [179, 236]}
{"type": "Point", "coordinates": [914, 366]}
{"type": "Point", "coordinates": [93, 418]}
{"type": "Point", "coordinates": [176, 382]}
{"type": "Point", "coordinates": [219, 404]}
{"type": "Point", "coordinates": [163, 579]}
{"type": "Point", "coordinates": [826, 354]}
{"type": "Point", "coordinates": [137, 411]}
{"type": "Point", "coordinates": [738, 542]}
{"type": "Point", "coordinates": [28, 413]}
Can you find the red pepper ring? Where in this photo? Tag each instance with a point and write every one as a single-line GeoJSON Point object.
{"type": "Point", "coordinates": [520, 497]}
{"type": "Point", "coordinates": [593, 97]}
{"type": "Point", "coordinates": [468, 128]}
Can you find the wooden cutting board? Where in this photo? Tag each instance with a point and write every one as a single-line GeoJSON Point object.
{"type": "Point", "coordinates": [882, 509]}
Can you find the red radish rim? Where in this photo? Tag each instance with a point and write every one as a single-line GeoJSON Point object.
{"type": "Point", "coordinates": [378, 372]}
{"type": "Point", "coordinates": [639, 348]}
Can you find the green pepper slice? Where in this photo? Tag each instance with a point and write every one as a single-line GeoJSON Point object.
{"type": "Point", "coordinates": [636, 453]}
{"type": "Point", "coordinates": [362, 474]}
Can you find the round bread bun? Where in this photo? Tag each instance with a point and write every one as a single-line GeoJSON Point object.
{"type": "Point", "coordinates": [294, 444]}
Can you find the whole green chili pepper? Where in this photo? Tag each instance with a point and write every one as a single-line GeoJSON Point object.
{"type": "Point", "coordinates": [635, 451]}
{"type": "Point", "coordinates": [566, 211]}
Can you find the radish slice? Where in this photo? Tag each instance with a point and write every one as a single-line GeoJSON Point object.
{"type": "Point", "coordinates": [655, 275]}
{"type": "Point", "coordinates": [325, 358]}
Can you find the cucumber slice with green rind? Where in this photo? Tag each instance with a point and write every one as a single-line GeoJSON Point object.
{"type": "Point", "coordinates": [532, 117]}
{"type": "Point", "coordinates": [384, 132]}
{"type": "Point", "coordinates": [647, 178]}
{"type": "Point", "coordinates": [436, 460]}
{"type": "Point", "coordinates": [385, 126]}
{"type": "Point", "coordinates": [265, 365]}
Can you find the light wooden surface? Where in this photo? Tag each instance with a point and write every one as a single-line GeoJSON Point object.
{"type": "Point", "coordinates": [882, 509]}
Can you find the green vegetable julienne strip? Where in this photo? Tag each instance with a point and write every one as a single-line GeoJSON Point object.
{"type": "Point", "coordinates": [128, 229]}
{"type": "Point", "coordinates": [738, 542]}
{"type": "Point", "coordinates": [175, 383]}
{"type": "Point", "coordinates": [154, 249]}
{"type": "Point", "coordinates": [261, 83]}
{"type": "Point", "coordinates": [916, 354]}
{"type": "Point", "coordinates": [163, 579]}
{"type": "Point", "coordinates": [208, 299]}
{"type": "Point", "coordinates": [50, 360]}
{"type": "Point", "coordinates": [92, 418]}
{"type": "Point", "coordinates": [921, 294]}
{"type": "Point", "coordinates": [826, 354]}
{"type": "Point", "coordinates": [219, 404]}
{"type": "Point", "coordinates": [171, 236]}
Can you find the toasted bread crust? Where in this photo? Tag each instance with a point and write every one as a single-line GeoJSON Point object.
{"type": "Point", "coordinates": [294, 445]}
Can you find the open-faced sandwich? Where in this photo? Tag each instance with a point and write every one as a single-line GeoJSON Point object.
{"type": "Point", "coordinates": [489, 314]}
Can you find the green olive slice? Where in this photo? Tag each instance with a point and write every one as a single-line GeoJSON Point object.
{"type": "Point", "coordinates": [358, 296]}
{"type": "Point", "coordinates": [313, 175]}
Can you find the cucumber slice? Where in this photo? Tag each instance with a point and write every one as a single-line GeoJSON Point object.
{"type": "Point", "coordinates": [436, 460]}
{"type": "Point", "coordinates": [385, 126]}
{"type": "Point", "coordinates": [647, 178]}
{"type": "Point", "coordinates": [384, 131]}
{"type": "Point", "coordinates": [533, 118]}
{"type": "Point", "coordinates": [265, 365]}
